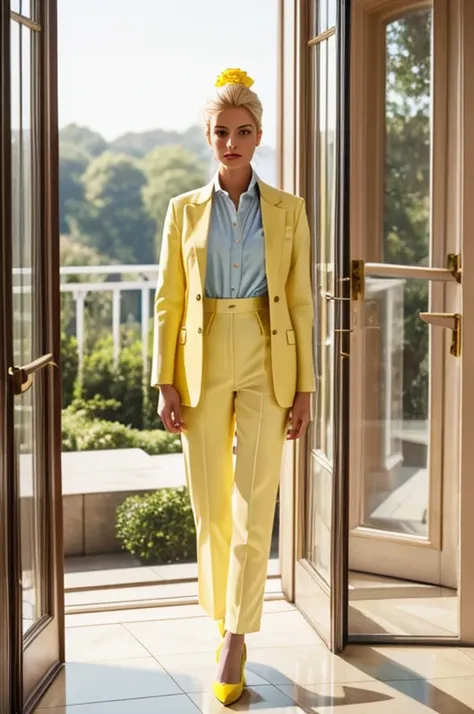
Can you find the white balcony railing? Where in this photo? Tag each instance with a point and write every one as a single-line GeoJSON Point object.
{"type": "Point", "coordinates": [148, 275]}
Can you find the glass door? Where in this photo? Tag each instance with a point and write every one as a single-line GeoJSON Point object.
{"type": "Point", "coordinates": [320, 570]}
{"type": "Point", "coordinates": [409, 344]}
{"type": "Point", "coordinates": [31, 437]}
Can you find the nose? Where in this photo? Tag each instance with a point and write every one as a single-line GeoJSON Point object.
{"type": "Point", "coordinates": [230, 143]}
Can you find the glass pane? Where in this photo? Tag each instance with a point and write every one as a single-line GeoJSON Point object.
{"type": "Point", "coordinates": [332, 13]}
{"type": "Point", "coordinates": [322, 16]}
{"type": "Point", "coordinates": [396, 436]}
{"type": "Point", "coordinates": [26, 323]}
{"type": "Point", "coordinates": [320, 474]}
{"type": "Point", "coordinates": [406, 239]}
{"type": "Point", "coordinates": [15, 5]}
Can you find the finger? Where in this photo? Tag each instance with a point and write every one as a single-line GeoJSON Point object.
{"type": "Point", "coordinates": [167, 421]}
{"type": "Point", "coordinates": [176, 417]}
{"type": "Point", "coordinates": [302, 428]}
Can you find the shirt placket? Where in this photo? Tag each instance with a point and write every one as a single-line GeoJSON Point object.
{"type": "Point", "coordinates": [236, 252]}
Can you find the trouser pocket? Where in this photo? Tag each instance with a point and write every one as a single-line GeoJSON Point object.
{"type": "Point", "coordinates": [263, 319]}
{"type": "Point", "coordinates": [208, 320]}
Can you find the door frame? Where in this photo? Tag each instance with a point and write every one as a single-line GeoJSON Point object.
{"type": "Point", "coordinates": [11, 695]}
{"type": "Point", "coordinates": [35, 659]}
{"type": "Point", "coordinates": [300, 583]}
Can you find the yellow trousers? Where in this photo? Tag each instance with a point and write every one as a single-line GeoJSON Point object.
{"type": "Point", "coordinates": [234, 509]}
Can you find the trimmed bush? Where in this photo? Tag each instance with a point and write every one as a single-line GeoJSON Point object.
{"type": "Point", "coordinates": [158, 527]}
{"type": "Point", "coordinates": [80, 433]}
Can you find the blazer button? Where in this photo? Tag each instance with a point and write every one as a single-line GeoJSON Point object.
{"type": "Point", "coordinates": [276, 299]}
{"type": "Point", "coordinates": [200, 330]}
{"type": "Point", "coordinates": [198, 297]}
{"type": "Point", "coordinates": [274, 332]}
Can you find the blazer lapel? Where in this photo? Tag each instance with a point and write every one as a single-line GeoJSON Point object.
{"type": "Point", "coordinates": [199, 221]}
{"type": "Point", "coordinates": [274, 220]}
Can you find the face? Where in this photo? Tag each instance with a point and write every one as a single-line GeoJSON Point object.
{"type": "Point", "coordinates": [234, 137]}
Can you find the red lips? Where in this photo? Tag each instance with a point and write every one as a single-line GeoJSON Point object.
{"type": "Point", "coordinates": [233, 156]}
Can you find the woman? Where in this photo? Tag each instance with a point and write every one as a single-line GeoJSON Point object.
{"type": "Point", "coordinates": [233, 350]}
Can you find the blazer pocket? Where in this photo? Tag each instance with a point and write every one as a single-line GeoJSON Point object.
{"type": "Point", "coordinates": [290, 337]}
{"type": "Point", "coordinates": [182, 336]}
{"type": "Point", "coordinates": [289, 232]}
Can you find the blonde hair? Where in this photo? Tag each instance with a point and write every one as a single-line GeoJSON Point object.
{"type": "Point", "coordinates": [234, 96]}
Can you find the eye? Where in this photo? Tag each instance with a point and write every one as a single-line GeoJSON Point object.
{"type": "Point", "coordinates": [220, 132]}
{"type": "Point", "coordinates": [245, 132]}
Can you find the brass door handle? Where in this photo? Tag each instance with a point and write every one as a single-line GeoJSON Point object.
{"type": "Point", "coordinates": [22, 377]}
{"type": "Point", "coordinates": [449, 320]}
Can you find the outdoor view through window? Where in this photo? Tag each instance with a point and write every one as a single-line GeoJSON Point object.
{"type": "Point", "coordinates": [132, 83]}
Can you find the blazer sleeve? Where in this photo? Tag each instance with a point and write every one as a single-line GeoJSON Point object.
{"type": "Point", "coordinates": [169, 302]}
{"type": "Point", "coordinates": [300, 301]}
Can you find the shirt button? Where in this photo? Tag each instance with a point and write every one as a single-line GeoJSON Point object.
{"type": "Point", "coordinates": [274, 332]}
{"type": "Point", "coordinates": [236, 265]}
{"type": "Point", "coordinates": [276, 299]}
{"type": "Point", "coordinates": [200, 330]}
{"type": "Point", "coordinates": [237, 240]}
{"type": "Point", "coordinates": [198, 297]}
{"type": "Point", "coordinates": [234, 223]}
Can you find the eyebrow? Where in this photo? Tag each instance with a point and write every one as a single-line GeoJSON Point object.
{"type": "Point", "coordinates": [244, 126]}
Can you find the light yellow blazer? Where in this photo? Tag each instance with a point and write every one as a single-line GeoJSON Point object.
{"type": "Point", "coordinates": [178, 336]}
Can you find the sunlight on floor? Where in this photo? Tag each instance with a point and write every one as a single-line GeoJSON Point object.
{"type": "Point", "coordinates": [161, 661]}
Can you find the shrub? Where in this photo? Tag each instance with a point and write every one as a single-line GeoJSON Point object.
{"type": "Point", "coordinates": [69, 367]}
{"type": "Point", "coordinates": [158, 527]}
{"type": "Point", "coordinates": [124, 384]}
{"type": "Point", "coordinates": [81, 433]}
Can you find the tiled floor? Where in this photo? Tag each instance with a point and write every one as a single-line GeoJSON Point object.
{"type": "Point", "coordinates": [162, 662]}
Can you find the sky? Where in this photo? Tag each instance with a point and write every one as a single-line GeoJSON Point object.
{"type": "Point", "coordinates": [129, 66]}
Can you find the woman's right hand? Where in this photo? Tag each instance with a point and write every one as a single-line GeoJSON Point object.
{"type": "Point", "coordinates": [169, 408]}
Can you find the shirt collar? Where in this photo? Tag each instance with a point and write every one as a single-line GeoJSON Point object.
{"type": "Point", "coordinates": [251, 191]}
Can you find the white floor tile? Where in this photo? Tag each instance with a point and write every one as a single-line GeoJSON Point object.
{"type": "Point", "coordinates": [102, 642]}
{"type": "Point", "coordinates": [179, 704]}
{"type": "Point", "coordinates": [266, 700]}
{"type": "Point", "coordinates": [89, 682]}
{"type": "Point", "coordinates": [196, 672]}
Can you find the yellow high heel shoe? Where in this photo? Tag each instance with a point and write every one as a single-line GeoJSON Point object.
{"type": "Point", "coordinates": [228, 694]}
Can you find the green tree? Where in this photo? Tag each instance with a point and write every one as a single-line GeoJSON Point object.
{"type": "Point", "coordinates": [407, 187]}
{"type": "Point", "coordinates": [112, 219]}
{"type": "Point", "coordinates": [83, 138]}
{"type": "Point", "coordinates": [73, 161]}
{"type": "Point", "coordinates": [171, 170]}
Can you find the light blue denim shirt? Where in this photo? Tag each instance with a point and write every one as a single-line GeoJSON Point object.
{"type": "Point", "coordinates": [236, 248]}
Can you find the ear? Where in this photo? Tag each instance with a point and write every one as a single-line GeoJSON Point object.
{"type": "Point", "coordinates": [208, 137]}
{"type": "Point", "coordinates": [259, 137]}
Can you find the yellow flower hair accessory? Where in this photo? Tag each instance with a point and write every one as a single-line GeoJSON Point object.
{"type": "Point", "coordinates": [234, 76]}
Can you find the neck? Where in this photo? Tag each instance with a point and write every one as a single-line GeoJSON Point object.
{"type": "Point", "coordinates": [235, 181]}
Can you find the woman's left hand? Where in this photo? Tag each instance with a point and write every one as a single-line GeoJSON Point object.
{"type": "Point", "coordinates": [300, 415]}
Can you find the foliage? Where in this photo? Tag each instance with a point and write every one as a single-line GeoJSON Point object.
{"type": "Point", "coordinates": [81, 433]}
{"type": "Point", "coordinates": [124, 384]}
{"type": "Point", "coordinates": [73, 161]}
{"type": "Point", "coordinates": [140, 144]}
{"type": "Point", "coordinates": [170, 170]}
{"type": "Point", "coordinates": [158, 527]}
{"type": "Point", "coordinates": [83, 138]}
{"type": "Point", "coordinates": [112, 218]}
{"type": "Point", "coordinates": [407, 187]}
{"type": "Point", "coordinates": [69, 367]}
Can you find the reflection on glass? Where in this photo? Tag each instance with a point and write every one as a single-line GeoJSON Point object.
{"type": "Point", "coordinates": [332, 13]}
{"type": "Point", "coordinates": [25, 315]}
{"type": "Point", "coordinates": [408, 140]}
{"type": "Point", "coordinates": [322, 16]}
{"type": "Point", "coordinates": [396, 406]}
{"type": "Point", "coordinates": [320, 474]}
